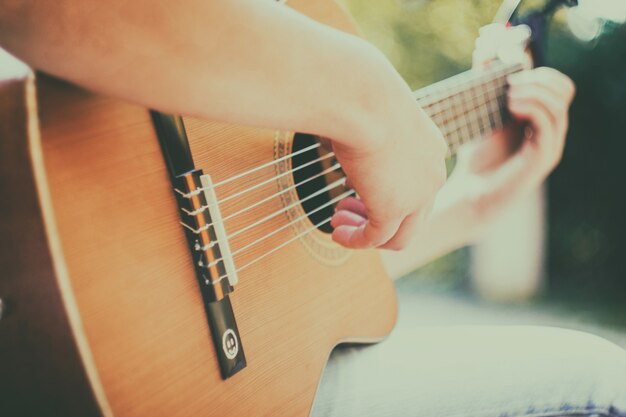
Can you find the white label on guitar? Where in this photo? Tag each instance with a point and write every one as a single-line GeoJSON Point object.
{"type": "Point", "coordinates": [230, 345]}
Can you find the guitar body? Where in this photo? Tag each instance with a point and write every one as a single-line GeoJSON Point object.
{"type": "Point", "coordinates": [123, 330]}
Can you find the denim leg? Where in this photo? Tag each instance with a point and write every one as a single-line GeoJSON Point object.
{"type": "Point", "coordinates": [477, 371]}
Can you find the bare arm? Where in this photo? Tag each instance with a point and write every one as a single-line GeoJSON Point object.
{"type": "Point", "coordinates": [249, 62]}
{"type": "Point", "coordinates": [254, 63]}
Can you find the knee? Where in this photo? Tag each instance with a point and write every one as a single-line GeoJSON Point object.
{"type": "Point", "coordinates": [587, 364]}
{"type": "Point", "coordinates": [588, 347]}
{"type": "Point", "coordinates": [577, 347]}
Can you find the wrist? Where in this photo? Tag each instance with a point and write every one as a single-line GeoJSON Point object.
{"type": "Point", "coordinates": [457, 206]}
{"type": "Point", "coordinates": [368, 101]}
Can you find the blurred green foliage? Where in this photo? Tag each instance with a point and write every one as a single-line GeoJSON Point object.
{"type": "Point", "coordinates": [426, 40]}
{"type": "Point", "coordinates": [587, 198]}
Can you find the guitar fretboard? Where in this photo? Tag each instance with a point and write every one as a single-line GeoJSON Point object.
{"type": "Point", "coordinates": [469, 105]}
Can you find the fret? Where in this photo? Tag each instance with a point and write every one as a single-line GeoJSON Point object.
{"type": "Point", "coordinates": [436, 113]}
{"type": "Point", "coordinates": [474, 126]}
{"type": "Point", "coordinates": [452, 115]}
{"type": "Point", "coordinates": [453, 146]}
{"type": "Point", "coordinates": [484, 117]}
{"type": "Point", "coordinates": [464, 120]}
{"type": "Point", "coordinates": [472, 101]}
{"type": "Point", "coordinates": [469, 105]}
{"type": "Point", "coordinates": [501, 103]}
{"type": "Point", "coordinates": [452, 86]}
{"type": "Point", "coordinates": [494, 112]}
{"type": "Point", "coordinates": [481, 109]}
{"type": "Point", "coordinates": [480, 112]}
{"type": "Point", "coordinates": [464, 112]}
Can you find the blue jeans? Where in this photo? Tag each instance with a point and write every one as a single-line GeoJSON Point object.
{"type": "Point", "coordinates": [477, 371]}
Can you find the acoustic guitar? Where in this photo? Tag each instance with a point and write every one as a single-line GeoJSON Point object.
{"type": "Point", "coordinates": [154, 265]}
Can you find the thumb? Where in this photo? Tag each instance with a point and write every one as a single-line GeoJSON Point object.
{"type": "Point", "coordinates": [368, 235]}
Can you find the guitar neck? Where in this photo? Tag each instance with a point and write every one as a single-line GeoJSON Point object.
{"type": "Point", "coordinates": [469, 105]}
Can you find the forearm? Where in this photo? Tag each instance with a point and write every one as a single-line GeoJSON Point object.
{"type": "Point", "coordinates": [249, 62]}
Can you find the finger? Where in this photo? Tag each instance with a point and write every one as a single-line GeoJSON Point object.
{"type": "Point", "coordinates": [368, 235]}
{"type": "Point", "coordinates": [352, 204]}
{"type": "Point", "coordinates": [480, 156]}
{"type": "Point", "coordinates": [346, 218]}
{"type": "Point", "coordinates": [534, 113]}
{"type": "Point", "coordinates": [499, 42]}
{"type": "Point", "coordinates": [551, 79]}
{"type": "Point", "coordinates": [559, 82]}
{"type": "Point", "coordinates": [533, 94]}
{"type": "Point", "coordinates": [533, 85]}
{"type": "Point", "coordinates": [511, 178]}
{"type": "Point", "coordinates": [487, 45]}
{"type": "Point", "coordinates": [543, 129]}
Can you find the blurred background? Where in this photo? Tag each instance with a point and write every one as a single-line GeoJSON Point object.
{"type": "Point", "coordinates": [583, 277]}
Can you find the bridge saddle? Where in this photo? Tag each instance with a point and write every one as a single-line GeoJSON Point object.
{"type": "Point", "coordinates": [218, 226]}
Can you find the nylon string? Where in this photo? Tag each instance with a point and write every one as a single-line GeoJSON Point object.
{"type": "Point", "coordinates": [429, 98]}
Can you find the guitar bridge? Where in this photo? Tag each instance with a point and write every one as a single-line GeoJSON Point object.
{"type": "Point", "coordinates": [207, 242]}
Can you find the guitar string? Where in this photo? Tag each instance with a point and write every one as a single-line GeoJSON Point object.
{"type": "Point", "coordinates": [262, 238]}
{"type": "Point", "coordinates": [463, 106]}
{"type": "Point", "coordinates": [291, 223]}
{"type": "Point", "coordinates": [490, 116]}
{"type": "Point", "coordinates": [444, 105]}
{"type": "Point", "coordinates": [441, 105]}
{"type": "Point", "coordinates": [450, 87]}
{"type": "Point", "coordinates": [294, 238]}
{"type": "Point", "coordinates": [334, 167]}
{"type": "Point", "coordinates": [464, 79]}
{"type": "Point", "coordinates": [260, 167]}
{"type": "Point", "coordinates": [282, 245]}
{"type": "Point", "coordinates": [472, 116]}
{"type": "Point", "coordinates": [337, 183]}
{"type": "Point", "coordinates": [334, 184]}
{"type": "Point", "coordinates": [301, 217]}
{"type": "Point", "coordinates": [460, 138]}
{"type": "Point", "coordinates": [447, 95]}
{"type": "Point", "coordinates": [316, 226]}
{"type": "Point", "coordinates": [443, 95]}
{"type": "Point", "coordinates": [241, 250]}
{"type": "Point", "coordinates": [255, 186]}
{"type": "Point", "coordinates": [477, 114]}
{"type": "Point", "coordinates": [463, 111]}
{"type": "Point", "coordinates": [460, 113]}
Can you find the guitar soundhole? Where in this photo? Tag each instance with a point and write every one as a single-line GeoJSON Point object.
{"type": "Point", "coordinates": [308, 175]}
